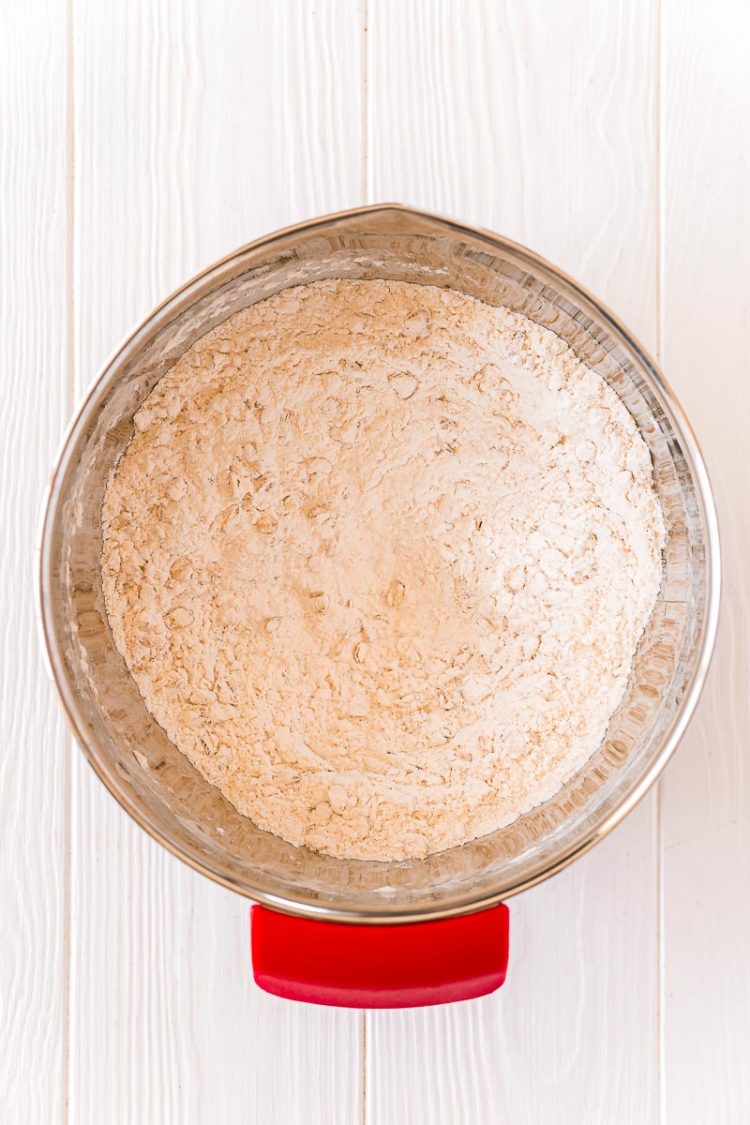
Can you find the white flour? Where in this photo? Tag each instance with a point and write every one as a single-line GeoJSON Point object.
{"type": "Point", "coordinates": [378, 558]}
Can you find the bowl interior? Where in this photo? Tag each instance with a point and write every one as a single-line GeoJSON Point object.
{"type": "Point", "coordinates": [158, 786]}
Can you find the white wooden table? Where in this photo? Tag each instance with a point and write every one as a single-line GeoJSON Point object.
{"type": "Point", "coordinates": [140, 140]}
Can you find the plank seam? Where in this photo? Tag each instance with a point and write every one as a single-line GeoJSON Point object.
{"type": "Point", "coordinates": [363, 1036]}
{"type": "Point", "coordinates": [660, 233]}
{"type": "Point", "coordinates": [366, 117]}
{"type": "Point", "coordinates": [69, 399]}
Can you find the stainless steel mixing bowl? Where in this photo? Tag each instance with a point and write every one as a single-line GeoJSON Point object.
{"type": "Point", "coordinates": [157, 785]}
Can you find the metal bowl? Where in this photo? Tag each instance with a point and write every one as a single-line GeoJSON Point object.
{"type": "Point", "coordinates": [158, 786]}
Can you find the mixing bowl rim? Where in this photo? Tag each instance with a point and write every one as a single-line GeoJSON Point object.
{"type": "Point", "coordinates": [387, 913]}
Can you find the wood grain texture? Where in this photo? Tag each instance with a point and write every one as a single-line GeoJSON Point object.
{"type": "Point", "coordinates": [538, 121]}
{"type": "Point", "coordinates": [197, 127]}
{"type": "Point", "coordinates": [33, 383]}
{"type": "Point", "coordinates": [706, 317]}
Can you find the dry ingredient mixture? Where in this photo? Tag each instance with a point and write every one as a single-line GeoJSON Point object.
{"type": "Point", "coordinates": [378, 558]}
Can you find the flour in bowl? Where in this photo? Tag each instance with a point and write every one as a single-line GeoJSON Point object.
{"type": "Point", "coordinates": [378, 558]}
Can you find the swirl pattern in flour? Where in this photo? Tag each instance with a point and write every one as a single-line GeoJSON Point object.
{"type": "Point", "coordinates": [378, 558]}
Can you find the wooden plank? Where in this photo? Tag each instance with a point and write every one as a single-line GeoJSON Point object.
{"type": "Point", "coordinates": [197, 127]}
{"type": "Point", "coordinates": [538, 121]}
{"type": "Point", "coordinates": [706, 802]}
{"type": "Point", "coordinates": [34, 767]}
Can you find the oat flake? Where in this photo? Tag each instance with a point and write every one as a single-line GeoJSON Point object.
{"type": "Point", "coordinates": [378, 558]}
